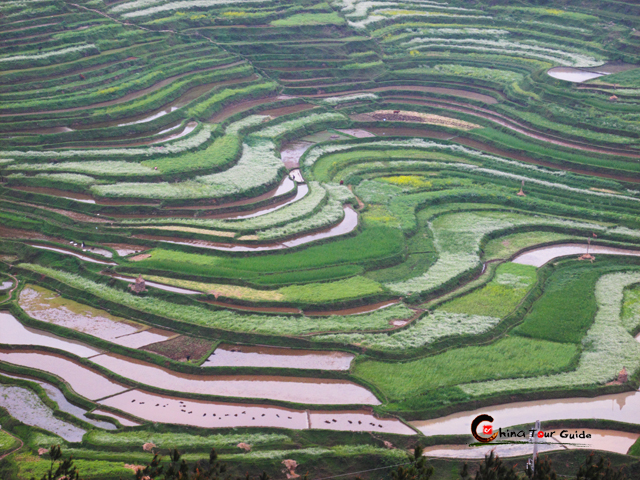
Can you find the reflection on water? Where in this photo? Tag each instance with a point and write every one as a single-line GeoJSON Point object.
{"type": "Point", "coordinates": [622, 407]}
{"type": "Point", "coordinates": [290, 153]}
{"type": "Point", "coordinates": [540, 256]}
{"type": "Point", "coordinates": [348, 224]}
{"type": "Point", "coordinates": [73, 254]}
{"type": "Point", "coordinates": [26, 406]}
{"type": "Point", "coordinates": [82, 380]}
{"type": "Point", "coordinates": [57, 396]}
{"type": "Point", "coordinates": [48, 306]}
{"type": "Point", "coordinates": [261, 356]}
{"type": "Point", "coordinates": [201, 413]}
{"type": "Point", "coordinates": [123, 421]}
{"type": "Point", "coordinates": [292, 389]}
{"type": "Point", "coordinates": [573, 74]}
{"type": "Point", "coordinates": [14, 333]}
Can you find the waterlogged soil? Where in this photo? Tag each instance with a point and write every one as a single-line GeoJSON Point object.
{"type": "Point", "coordinates": [569, 74]}
{"type": "Point", "coordinates": [353, 311]}
{"type": "Point", "coordinates": [14, 333]}
{"type": "Point", "coordinates": [357, 132]}
{"type": "Point", "coordinates": [201, 413]}
{"type": "Point", "coordinates": [123, 420]}
{"type": "Point", "coordinates": [292, 389]}
{"type": "Point", "coordinates": [26, 406]}
{"type": "Point", "coordinates": [81, 217]}
{"type": "Point", "coordinates": [48, 306]}
{"type": "Point", "coordinates": [232, 109]}
{"type": "Point", "coordinates": [262, 356]}
{"type": "Point", "coordinates": [410, 132]}
{"type": "Point", "coordinates": [57, 396]}
{"type": "Point", "coordinates": [348, 224]}
{"type": "Point", "coordinates": [357, 421]}
{"type": "Point", "coordinates": [292, 151]}
{"type": "Point", "coordinates": [25, 234]}
{"type": "Point", "coordinates": [181, 348]}
{"type": "Point", "coordinates": [73, 254]}
{"type": "Point", "coordinates": [621, 407]}
{"type": "Point", "coordinates": [301, 193]}
{"type": "Point", "coordinates": [82, 380]}
{"type": "Point", "coordinates": [540, 256]}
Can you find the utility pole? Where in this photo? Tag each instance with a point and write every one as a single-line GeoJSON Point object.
{"type": "Point", "coordinates": [535, 446]}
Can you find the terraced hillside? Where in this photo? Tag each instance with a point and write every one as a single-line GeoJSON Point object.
{"type": "Point", "coordinates": [326, 226]}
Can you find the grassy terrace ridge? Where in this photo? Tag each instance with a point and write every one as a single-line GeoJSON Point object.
{"type": "Point", "coordinates": [374, 198]}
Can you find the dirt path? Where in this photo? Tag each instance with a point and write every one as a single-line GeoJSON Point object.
{"type": "Point", "coordinates": [15, 449]}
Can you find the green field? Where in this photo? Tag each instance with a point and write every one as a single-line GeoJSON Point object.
{"type": "Point", "coordinates": [316, 201]}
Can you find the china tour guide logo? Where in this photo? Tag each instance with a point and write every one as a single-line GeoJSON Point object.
{"type": "Point", "coordinates": [511, 436]}
{"type": "Point", "coordinates": [486, 429]}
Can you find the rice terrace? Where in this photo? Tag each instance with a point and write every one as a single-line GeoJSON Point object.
{"type": "Point", "coordinates": [314, 236]}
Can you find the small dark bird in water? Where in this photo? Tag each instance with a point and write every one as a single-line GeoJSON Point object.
{"type": "Point", "coordinates": [141, 403]}
{"type": "Point", "coordinates": [235, 415]}
{"type": "Point", "coordinates": [263, 414]}
{"type": "Point", "coordinates": [253, 418]}
{"type": "Point", "coordinates": [349, 421]}
{"type": "Point", "coordinates": [190, 413]}
{"type": "Point", "coordinates": [133, 400]}
{"type": "Point", "coordinates": [333, 420]}
{"type": "Point", "coordinates": [277, 415]}
{"type": "Point", "coordinates": [157, 404]}
{"type": "Point", "coordinates": [204, 414]}
{"type": "Point", "coordinates": [359, 422]}
{"type": "Point", "coordinates": [289, 418]}
{"type": "Point", "coordinates": [226, 414]}
{"type": "Point", "coordinates": [380, 425]}
{"type": "Point", "coordinates": [327, 421]}
{"type": "Point", "coordinates": [214, 414]}
{"type": "Point", "coordinates": [244, 412]}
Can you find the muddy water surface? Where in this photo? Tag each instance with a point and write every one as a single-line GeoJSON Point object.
{"type": "Point", "coordinates": [166, 409]}
{"type": "Point", "coordinates": [57, 396]}
{"type": "Point", "coordinates": [14, 333]}
{"type": "Point", "coordinates": [26, 406]}
{"type": "Point", "coordinates": [200, 413]}
{"type": "Point", "coordinates": [357, 421]}
{"type": "Point", "coordinates": [82, 380]}
{"type": "Point", "coordinates": [262, 356]}
{"type": "Point", "coordinates": [573, 74]}
{"type": "Point", "coordinates": [292, 151]}
{"type": "Point", "coordinates": [291, 389]}
{"type": "Point", "coordinates": [80, 197]}
{"type": "Point", "coordinates": [348, 224]}
{"type": "Point", "coordinates": [123, 420]}
{"type": "Point", "coordinates": [622, 407]}
{"type": "Point", "coordinates": [48, 306]}
{"type": "Point", "coordinates": [540, 256]}
{"type": "Point", "coordinates": [353, 311]}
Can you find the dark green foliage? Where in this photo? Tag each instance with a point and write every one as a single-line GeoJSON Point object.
{"type": "Point", "coordinates": [64, 469]}
{"type": "Point", "coordinates": [600, 470]}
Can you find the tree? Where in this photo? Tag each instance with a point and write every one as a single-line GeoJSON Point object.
{"type": "Point", "coordinates": [178, 469]}
{"type": "Point", "coordinates": [418, 470]}
{"type": "Point", "coordinates": [65, 469]}
{"type": "Point", "coordinates": [598, 471]}
{"type": "Point", "coordinates": [493, 469]}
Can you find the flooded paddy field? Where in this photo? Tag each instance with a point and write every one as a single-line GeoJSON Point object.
{"type": "Point", "coordinates": [539, 256]}
{"type": "Point", "coordinates": [290, 389]}
{"type": "Point", "coordinates": [84, 381]}
{"type": "Point", "coordinates": [263, 356]}
{"type": "Point", "coordinates": [26, 406]}
{"type": "Point", "coordinates": [57, 396]}
{"type": "Point", "coordinates": [48, 306]}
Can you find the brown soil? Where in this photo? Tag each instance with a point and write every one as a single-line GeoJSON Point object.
{"type": "Point", "coordinates": [81, 217]}
{"type": "Point", "coordinates": [276, 112]}
{"type": "Point", "coordinates": [6, 232]}
{"type": "Point", "coordinates": [181, 348]}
